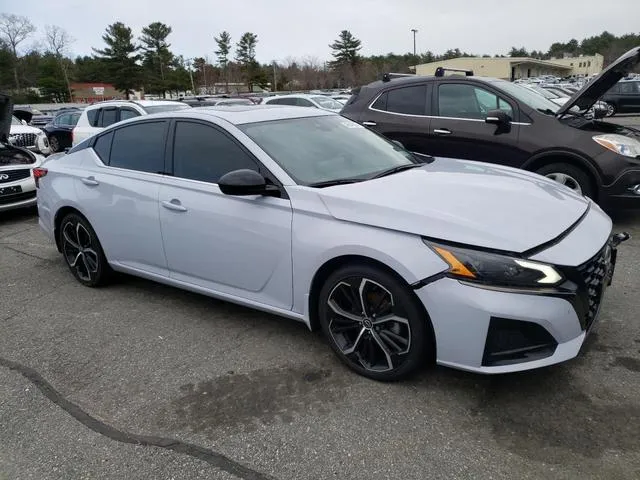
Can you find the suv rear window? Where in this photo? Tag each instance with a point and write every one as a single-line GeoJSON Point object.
{"type": "Point", "coordinates": [92, 117]}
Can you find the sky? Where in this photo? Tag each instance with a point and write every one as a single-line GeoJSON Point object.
{"type": "Point", "coordinates": [306, 28]}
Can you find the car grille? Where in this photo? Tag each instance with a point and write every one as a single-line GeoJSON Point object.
{"type": "Point", "coordinates": [594, 274]}
{"type": "Point", "coordinates": [7, 176]}
{"type": "Point", "coordinates": [17, 197]}
{"type": "Point", "coordinates": [23, 139]}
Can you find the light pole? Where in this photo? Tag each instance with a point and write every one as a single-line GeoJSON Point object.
{"type": "Point", "coordinates": [275, 84]}
{"type": "Point", "coordinates": [414, 40]}
{"type": "Point", "coordinates": [193, 88]}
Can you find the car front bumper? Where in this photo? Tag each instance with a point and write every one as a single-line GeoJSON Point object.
{"type": "Point", "coordinates": [20, 193]}
{"type": "Point", "coordinates": [624, 192]}
{"type": "Point", "coordinates": [498, 330]}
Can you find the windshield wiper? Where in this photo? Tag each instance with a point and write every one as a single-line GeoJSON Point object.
{"type": "Point", "coordinates": [399, 168]}
{"type": "Point", "coordinates": [331, 183]}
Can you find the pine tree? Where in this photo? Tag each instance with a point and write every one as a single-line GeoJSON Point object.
{"type": "Point", "coordinates": [224, 48]}
{"type": "Point", "coordinates": [121, 57]}
{"type": "Point", "coordinates": [156, 55]}
{"type": "Point", "coordinates": [246, 56]}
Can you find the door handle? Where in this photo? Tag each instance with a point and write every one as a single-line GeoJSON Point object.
{"type": "Point", "coordinates": [174, 205]}
{"type": "Point", "coordinates": [442, 131]}
{"type": "Point", "coordinates": [369, 124]}
{"type": "Point", "coordinates": [90, 181]}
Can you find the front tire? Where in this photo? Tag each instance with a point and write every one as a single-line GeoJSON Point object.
{"type": "Point", "coordinates": [54, 144]}
{"type": "Point", "coordinates": [82, 251]}
{"type": "Point", "coordinates": [373, 323]}
{"type": "Point", "coordinates": [569, 175]}
{"type": "Point", "coordinates": [611, 109]}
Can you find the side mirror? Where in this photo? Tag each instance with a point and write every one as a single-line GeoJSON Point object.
{"type": "Point", "coordinates": [498, 117]}
{"type": "Point", "coordinates": [246, 182]}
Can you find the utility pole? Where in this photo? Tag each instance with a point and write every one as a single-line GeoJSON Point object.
{"type": "Point", "coordinates": [275, 84]}
{"type": "Point", "coordinates": [414, 40]}
{"type": "Point", "coordinates": [193, 87]}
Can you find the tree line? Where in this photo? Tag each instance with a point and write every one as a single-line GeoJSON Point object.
{"type": "Point", "coordinates": [147, 62]}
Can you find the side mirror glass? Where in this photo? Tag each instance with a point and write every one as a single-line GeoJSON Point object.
{"type": "Point", "coordinates": [498, 117]}
{"type": "Point", "coordinates": [246, 182]}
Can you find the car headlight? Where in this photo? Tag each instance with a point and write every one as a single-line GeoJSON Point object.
{"type": "Point", "coordinates": [495, 269]}
{"type": "Point", "coordinates": [627, 146]}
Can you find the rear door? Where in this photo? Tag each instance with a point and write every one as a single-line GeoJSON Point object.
{"type": "Point", "coordinates": [629, 97]}
{"type": "Point", "coordinates": [400, 114]}
{"type": "Point", "coordinates": [458, 128]}
{"type": "Point", "coordinates": [119, 193]}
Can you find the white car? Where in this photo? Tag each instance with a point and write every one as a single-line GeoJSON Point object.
{"type": "Point", "coordinates": [17, 181]}
{"type": "Point", "coordinates": [399, 258]}
{"type": "Point", "coordinates": [24, 135]}
{"type": "Point", "coordinates": [98, 116]}
{"type": "Point", "coordinates": [343, 99]}
{"type": "Point", "coordinates": [305, 100]}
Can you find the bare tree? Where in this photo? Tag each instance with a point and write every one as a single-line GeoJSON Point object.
{"type": "Point", "coordinates": [58, 41]}
{"type": "Point", "coordinates": [15, 29]}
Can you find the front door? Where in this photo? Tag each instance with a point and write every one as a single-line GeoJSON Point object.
{"type": "Point", "coordinates": [238, 246]}
{"type": "Point", "coordinates": [458, 128]}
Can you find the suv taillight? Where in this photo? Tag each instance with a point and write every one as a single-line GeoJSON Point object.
{"type": "Point", "coordinates": [38, 173]}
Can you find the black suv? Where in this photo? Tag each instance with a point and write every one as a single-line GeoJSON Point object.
{"type": "Point", "coordinates": [496, 121]}
{"type": "Point", "coordinates": [624, 97]}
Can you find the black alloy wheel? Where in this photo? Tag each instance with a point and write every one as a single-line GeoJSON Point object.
{"type": "Point", "coordinates": [373, 323]}
{"type": "Point", "coordinates": [82, 251]}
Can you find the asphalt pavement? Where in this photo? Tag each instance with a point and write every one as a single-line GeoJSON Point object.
{"type": "Point", "coordinates": [142, 381]}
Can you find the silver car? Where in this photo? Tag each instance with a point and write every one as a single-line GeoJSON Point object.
{"type": "Point", "coordinates": [400, 259]}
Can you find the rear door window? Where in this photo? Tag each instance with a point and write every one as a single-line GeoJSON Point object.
{"type": "Point", "coordinates": [92, 116]}
{"type": "Point", "coordinates": [139, 147]}
{"type": "Point", "coordinates": [407, 100]}
{"type": "Point", "coordinates": [109, 117]}
{"type": "Point", "coordinates": [126, 113]}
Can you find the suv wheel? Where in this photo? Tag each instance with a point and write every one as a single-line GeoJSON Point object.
{"type": "Point", "coordinates": [373, 323]}
{"type": "Point", "coordinates": [570, 176]}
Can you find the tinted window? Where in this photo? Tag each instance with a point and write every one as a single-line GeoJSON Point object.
{"type": "Point", "coordinates": [74, 118]}
{"type": "Point", "coordinates": [201, 152]}
{"type": "Point", "coordinates": [407, 100]}
{"type": "Point", "coordinates": [63, 120]}
{"type": "Point", "coordinates": [92, 117]}
{"type": "Point", "coordinates": [303, 102]}
{"type": "Point", "coordinates": [102, 147]}
{"type": "Point", "coordinates": [126, 113]}
{"type": "Point", "coordinates": [467, 101]}
{"type": "Point", "coordinates": [381, 102]}
{"type": "Point", "coordinates": [109, 117]}
{"type": "Point", "coordinates": [139, 147]}
{"type": "Point", "coordinates": [629, 87]}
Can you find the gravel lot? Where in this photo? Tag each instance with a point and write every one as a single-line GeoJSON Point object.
{"type": "Point", "coordinates": [141, 381]}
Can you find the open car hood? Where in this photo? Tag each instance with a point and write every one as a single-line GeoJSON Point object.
{"type": "Point", "coordinates": [22, 114]}
{"type": "Point", "coordinates": [5, 117]}
{"type": "Point", "coordinates": [596, 88]}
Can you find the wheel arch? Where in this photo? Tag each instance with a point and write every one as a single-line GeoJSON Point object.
{"type": "Point", "coordinates": [562, 156]}
{"type": "Point", "coordinates": [57, 221]}
{"type": "Point", "coordinates": [333, 264]}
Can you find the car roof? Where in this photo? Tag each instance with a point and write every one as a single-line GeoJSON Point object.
{"type": "Point", "coordinates": [410, 80]}
{"type": "Point", "coordinates": [241, 114]}
{"type": "Point", "coordinates": [141, 103]}
{"type": "Point", "coordinates": [297, 95]}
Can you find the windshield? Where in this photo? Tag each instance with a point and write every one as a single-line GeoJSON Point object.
{"type": "Point", "coordinates": [165, 108]}
{"type": "Point", "coordinates": [327, 148]}
{"type": "Point", "coordinates": [528, 97]}
{"type": "Point", "coordinates": [326, 102]}
{"type": "Point", "coordinates": [15, 121]}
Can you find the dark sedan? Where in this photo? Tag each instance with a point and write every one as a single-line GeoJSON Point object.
{"type": "Point", "coordinates": [60, 129]}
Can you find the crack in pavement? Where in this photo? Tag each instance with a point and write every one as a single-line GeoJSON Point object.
{"type": "Point", "coordinates": [215, 459]}
{"type": "Point", "coordinates": [27, 254]}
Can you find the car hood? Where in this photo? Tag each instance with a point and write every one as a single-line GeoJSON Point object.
{"type": "Point", "coordinates": [596, 88]}
{"type": "Point", "coordinates": [466, 202]}
{"type": "Point", "coordinates": [5, 117]}
{"type": "Point", "coordinates": [15, 129]}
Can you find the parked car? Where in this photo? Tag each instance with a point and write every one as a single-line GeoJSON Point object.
{"type": "Point", "coordinates": [305, 100]}
{"type": "Point", "coordinates": [556, 98]}
{"type": "Point", "coordinates": [23, 135]}
{"type": "Point", "coordinates": [37, 118]}
{"type": "Point", "coordinates": [17, 182]}
{"type": "Point", "coordinates": [501, 122]}
{"type": "Point", "coordinates": [98, 116]}
{"type": "Point", "coordinates": [59, 131]}
{"type": "Point", "coordinates": [343, 99]}
{"type": "Point", "coordinates": [623, 97]}
{"type": "Point", "coordinates": [399, 258]}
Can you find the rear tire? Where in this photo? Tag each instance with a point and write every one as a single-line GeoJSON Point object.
{"type": "Point", "coordinates": [611, 109]}
{"type": "Point", "coordinates": [82, 251]}
{"type": "Point", "coordinates": [573, 177]}
{"type": "Point", "coordinates": [374, 323]}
